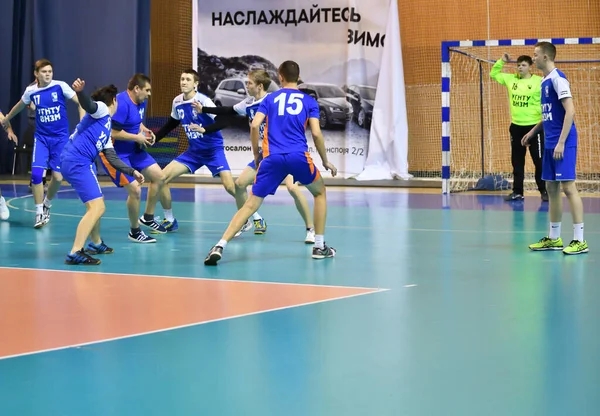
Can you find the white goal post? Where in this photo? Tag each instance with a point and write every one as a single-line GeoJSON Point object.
{"type": "Point", "coordinates": [476, 117]}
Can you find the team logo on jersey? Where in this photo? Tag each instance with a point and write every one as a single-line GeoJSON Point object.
{"type": "Point", "coordinates": [141, 113]}
{"type": "Point", "coordinates": [54, 97]}
{"type": "Point", "coordinates": [547, 91]}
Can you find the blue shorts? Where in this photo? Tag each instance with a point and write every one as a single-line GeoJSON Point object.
{"type": "Point", "coordinates": [559, 170]}
{"type": "Point", "coordinates": [275, 167]}
{"type": "Point", "coordinates": [83, 178]}
{"type": "Point", "coordinates": [137, 160]}
{"type": "Point", "coordinates": [253, 164]}
{"type": "Point", "coordinates": [46, 152]}
{"type": "Point", "coordinates": [215, 161]}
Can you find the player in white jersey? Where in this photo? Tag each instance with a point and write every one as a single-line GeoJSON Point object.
{"type": "Point", "coordinates": [4, 211]}
{"type": "Point", "coordinates": [560, 153]}
{"type": "Point", "coordinates": [257, 85]}
{"type": "Point", "coordinates": [90, 138]}
{"type": "Point", "coordinates": [205, 144]}
{"type": "Point", "coordinates": [51, 135]}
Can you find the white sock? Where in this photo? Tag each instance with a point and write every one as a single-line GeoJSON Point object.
{"type": "Point", "coordinates": [169, 215]}
{"type": "Point", "coordinates": [578, 232]}
{"type": "Point", "coordinates": [2, 201]}
{"type": "Point", "coordinates": [256, 216]}
{"type": "Point", "coordinates": [222, 243]}
{"type": "Point", "coordinates": [47, 203]}
{"type": "Point", "coordinates": [39, 209]}
{"type": "Point", "coordinates": [554, 230]}
{"type": "Point", "coordinates": [319, 241]}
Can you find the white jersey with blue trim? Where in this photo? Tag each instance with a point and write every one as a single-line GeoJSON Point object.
{"type": "Point", "coordinates": [249, 107]}
{"type": "Point", "coordinates": [91, 136]}
{"type": "Point", "coordinates": [556, 87]}
{"type": "Point", "coordinates": [50, 108]}
{"type": "Point", "coordinates": [184, 112]}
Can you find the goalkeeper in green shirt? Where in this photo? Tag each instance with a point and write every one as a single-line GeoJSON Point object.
{"type": "Point", "coordinates": [524, 94]}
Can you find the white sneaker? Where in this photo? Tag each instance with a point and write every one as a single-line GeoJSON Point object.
{"type": "Point", "coordinates": [4, 212]}
{"type": "Point", "coordinates": [310, 236]}
{"type": "Point", "coordinates": [245, 228]}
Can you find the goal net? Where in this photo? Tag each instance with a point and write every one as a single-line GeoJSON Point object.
{"type": "Point", "coordinates": [476, 116]}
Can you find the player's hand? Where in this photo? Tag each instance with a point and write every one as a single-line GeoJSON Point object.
{"type": "Point", "coordinates": [144, 139]}
{"type": "Point", "coordinates": [149, 135]}
{"type": "Point", "coordinates": [329, 166]}
{"type": "Point", "coordinates": [197, 106]}
{"type": "Point", "coordinates": [12, 136]}
{"type": "Point", "coordinates": [78, 85]}
{"type": "Point", "coordinates": [525, 140]}
{"type": "Point", "coordinates": [4, 122]}
{"type": "Point", "coordinates": [506, 57]}
{"type": "Point", "coordinates": [197, 127]}
{"type": "Point", "coordinates": [559, 151]}
{"type": "Point", "coordinates": [138, 177]}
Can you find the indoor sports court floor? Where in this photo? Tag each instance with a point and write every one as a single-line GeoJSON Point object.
{"type": "Point", "coordinates": [432, 306]}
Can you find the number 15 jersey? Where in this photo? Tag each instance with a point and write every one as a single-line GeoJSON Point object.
{"type": "Point", "coordinates": [287, 112]}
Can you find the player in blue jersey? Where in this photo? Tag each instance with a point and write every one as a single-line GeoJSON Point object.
{"type": "Point", "coordinates": [205, 143]}
{"type": "Point", "coordinates": [4, 211]}
{"type": "Point", "coordinates": [51, 134]}
{"type": "Point", "coordinates": [286, 113]}
{"type": "Point", "coordinates": [560, 153]}
{"type": "Point", "coordinates": [257, 85]}
{"type": "Point", "coordinates": [130, 139]}
{"type": "Point", "coordinates": [90, 138]}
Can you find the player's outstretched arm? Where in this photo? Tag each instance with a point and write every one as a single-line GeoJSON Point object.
{"type": "Point", "coordinates": [167, 128]}
{"type": "Point", "coordinates": [226, 111]}
{"type": "Point", "coordinates": [12, 113]}
{"type": "Point", "coordinates": [11, 134]}
{"type": "Point", "coordinates": [118, 164]}
{"type": "Point", "coordinates": [84, 100]}
{"type": "Point", "coordinates": [315, 128]}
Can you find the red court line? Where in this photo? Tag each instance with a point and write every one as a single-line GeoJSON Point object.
{"type": "Point", "coordinates": [43, 310]}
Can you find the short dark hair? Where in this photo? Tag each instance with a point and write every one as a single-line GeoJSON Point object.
{"type": "Point", "coordinates": [105, 94]}
{"type": "Point", "coordinates": [525, 58]}
{"type": "Point", "coordinates": [138, 80]}
{"type": "Point", "coordinates": [548, 48]}
{"type": "Point", "coordinates": [289, 71]}
{"type": "Point", "coordinates": [193, 72]}
{"type": "Point", "coordinates": [40, 63]}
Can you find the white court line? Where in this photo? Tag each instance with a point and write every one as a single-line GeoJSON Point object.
{"type": "Point", "coordinates": [194, 278]}
{"type": "Point", "coordinates": [186, 325]}
{"type": "Point", "coordinates": [349, 227]}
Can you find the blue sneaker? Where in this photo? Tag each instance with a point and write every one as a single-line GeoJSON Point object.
{"type": "Point", "coordinates": [80, 257]}
{"type": "Point", "coordinates": [170, 226]}
{"type": "Point", "coordinates": [98, 249]}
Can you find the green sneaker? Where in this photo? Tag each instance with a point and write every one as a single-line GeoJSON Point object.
{"type": "Point", "coordinates": [547, 244]}
{"type": "Point", "coordinates": [576, 247]}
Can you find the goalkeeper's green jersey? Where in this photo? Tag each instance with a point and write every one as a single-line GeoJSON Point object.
{"type": "Point", "coordinates": [524, 95]}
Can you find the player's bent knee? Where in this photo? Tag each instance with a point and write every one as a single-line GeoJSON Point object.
{"type": "Point", "coordinates": [317, 188]}
{"type": "Point", "coordinates": [569, 188]}
{"type": "Point", "coordinates": [37, 175]}
{"type": "Point", "coordinates": [134, 190]}
{"type": "Point", "coordinates": [97, 206]}
{"type": "Point", "coordinates": [292, 188]}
